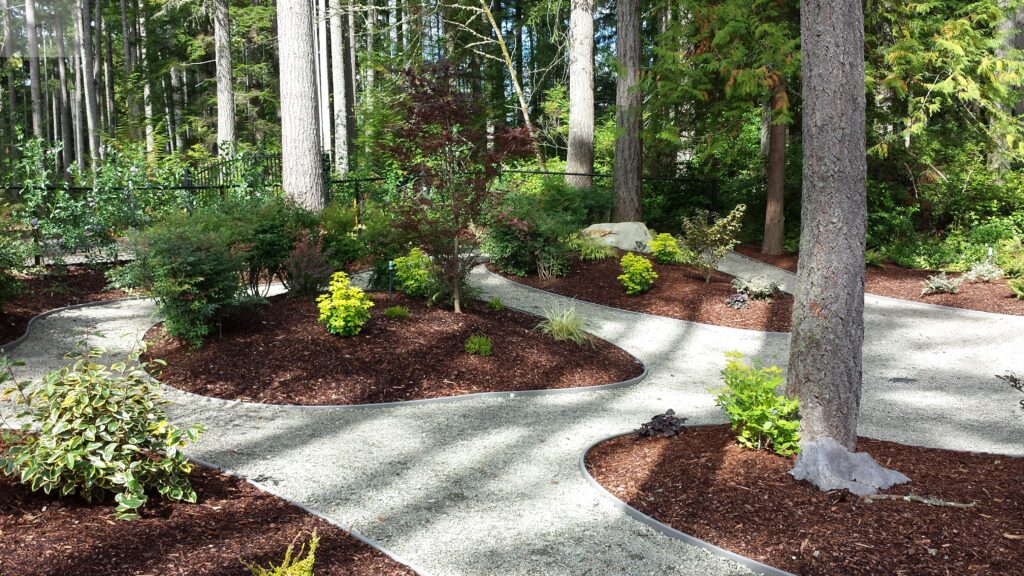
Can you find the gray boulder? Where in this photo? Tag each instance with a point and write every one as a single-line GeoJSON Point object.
{"type": "Point", "coordinates": [830, 466]}
{"type": "Point", "coordinates": [622, 235]}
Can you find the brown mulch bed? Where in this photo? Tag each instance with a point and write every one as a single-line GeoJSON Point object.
{"type": "Point", "coordinates": [679, 292]}
{"type": "Point", "coordinates": [232, 522]}
{"type": "Point", "coordinates": [281, 355]}
{"type": "Point", "coordinates": [42, 293]}
{"type": "Point", "coordinates": [704, 484]}
{"type": "Point", "coordinates": [905, 283]}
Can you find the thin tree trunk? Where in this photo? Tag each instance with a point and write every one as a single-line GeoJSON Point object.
{"type": "Point", "coordinates": [92, 115]}
{"type": "Point", "coordinates": [774, 217]}
{"type": "Point", "coordinates": [352, 73]}
{"type": "Point", "coordinates": [371, 40]}
{"type": "Point", "coordinates": [828, 313]}
{"type": "Point", "coordinates": [225, 79]}
{"type": "Point", "coordinates": [147, 86]}
{"type": "Point", "coordinates": [176, 104]}
{"type": "Point", "coordinates": [323, 76]}
{"type": "Point", "coordinates": [129, 61]}
{"type": "Point", "coordinates": [108, 77]}
{"type": "Point", "coordinates": [11, 96]}
{"type": "Point", "coordinates": [76, 111]}
{"type": "Point", "coordinates": [33, 69]}
{"type": "Point", "coordinates": [628, 115]}
{"type": "Point", "coordinates": [302, 170]}
{"type": "Point", "coordinates": [97, 67]}
{"type": "Point", "coordinates": [340, 89]}
{"type": "Point", "coordinates": [580, 159]}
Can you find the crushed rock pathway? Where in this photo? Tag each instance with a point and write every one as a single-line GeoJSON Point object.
{"type": "Point", "coordinates": [491, 486]}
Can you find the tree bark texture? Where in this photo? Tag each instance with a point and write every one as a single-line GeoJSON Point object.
{"type": "Point", "coordinates": [580, 158]}
{"type": "Point", "coordinates": [92, 111]}
{"type": "Point", "coordinates": [225, 76]}
{"type": "Point", "coordinates": [774, 216]}
{"type": "Point", "coordinates": [323, 76]}
{"type": "Point", "coordinates": [340, 89]}
{"type": "Point", "coordinates": [67, 130]}
{"type": "Point", "coordinates": [302, 169]}
{"type": "Point", "coordinates": [628, 115]}
{"type": "Point", "coordinates": [35, 87]}
{"type": "Point", "coordinates": [828, 313]}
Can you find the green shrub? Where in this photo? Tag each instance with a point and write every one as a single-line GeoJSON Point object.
{"type": "Point", "coordinates": [341, 234]}
{"type": "Point", "coordinates": [1017, 287]}
{"type": "Point", "coordinates": [495, 304]}
{"type": "Point", "coordinates": [300, 564]}
{"type": "Point", "coordinates": [762, 417]}
{"type": "Point", "coordinates": [984, 272]}
{"type": "Point", "coordinates": [665, 249]}
{"type": "Point", "coordinates": [589, 248]}
{"type": "Point", "coordinates": [306, 271]}
{"type": "Point", "coordinates": [266, 231]}
{"type": "Point", "coordinates": [564, 325]}
{"type": "Point", "coordinates": [101, 429]}
{"type": "Point", "coordinates": [638, 274]}
{"type": "Point", "coordinates": [478, 345]}
{"type": "Point", "coordinates": [129, 277]}
{"type": "Point", "coordinates": [344, 309]}
{"type": "Point", "coordinates": [396, 313]}
{"type": "Point", "coordinates": [1010, 257]}
{"type": "Point", "coordinates": [876, 258]}
{"type": "Point", "coordinates": [193, 272]}
{"type": "Point", "coordinates": [709, 238]}
{"type": "Point", "coordinates": [14, 252]}
{"type": "Point", "coordinates": [941, 284]}
{"type": "Point", "coordinates": [414, 274]}
{"type": "Point", "coordinates": [757, 288]}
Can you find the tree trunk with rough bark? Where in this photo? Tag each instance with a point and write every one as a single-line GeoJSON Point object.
{"type": "Point", "coordinates": [147, 85]}
{"type": "Point", "coordinates": [92, 112]}
{"type": "Point", "coordinates": [12, 98]}
{"type": "Point", "coordinates": [580, 159]}
{"type": "Point", "coordinates": [774, 218]}
{"type": "Point", "coordinates": [108, 77]}
{"type": "Point", "coordinates": [302, 169]}
{"type": "Point", "coordinates": [323, 76]}
{"type": "Point", "coordinates": [225, 77]}
{"type": "Point", "coordinates": [35, 86]}
{"type": "Point", "coordinates": [340, 89]}
{"type": "Point", "coordinates": [628, 102]}
{"type": "Point", "coordinates": [828, 314]}
{"type": "Point", "coordinates": [67, 130]}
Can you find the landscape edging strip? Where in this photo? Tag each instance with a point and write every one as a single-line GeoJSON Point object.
{"type": "Point", "coordinates": [323, 516]}
{"type": "Point", "coordinates": [665, 529]}
{"type": "Point", "coordinates": [28, 327]}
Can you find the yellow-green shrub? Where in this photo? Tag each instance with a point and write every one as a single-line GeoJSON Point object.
{"type": "Point", "coordinates": [344, 309]}
{"type": "Point", "coordinates": [638, 274]}
{"type": "Point", "coordinates": [665, 249]}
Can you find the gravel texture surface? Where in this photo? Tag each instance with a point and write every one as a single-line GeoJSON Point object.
{"type": "Point", "coordinates": [492, 485]}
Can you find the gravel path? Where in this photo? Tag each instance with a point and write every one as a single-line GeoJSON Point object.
{"type": "Point", "coordinates": [492, 486]}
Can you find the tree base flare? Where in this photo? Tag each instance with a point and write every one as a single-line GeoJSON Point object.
{"type": "Point", "coordinates": [830, 466]}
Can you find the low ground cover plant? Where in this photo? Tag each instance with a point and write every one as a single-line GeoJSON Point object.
{"type": "Point", "coordinates": [638, 274]}
{"type": "Point", "coordinates": [984, 272]}
{"type": "Point", "coordinates": [479, 346]}
{"type": "Point", "coordinates": [396, 313]}
{"type": "Point", "coordinates": [101, 430]}
{"type": "Point", "coordinates": [756, 288]}
{"type": "Point", "coordinates": [708, 238]}
{"type": "Point", "coordinates": [564, 325]}
{"type": "Point", "coordinates": [759, 413]}
{"type": "Point", "coordinates": [1017, 287]}
{"type": "Point", "coordinates": [299, 563]}
{"type": "Point", "coordinates": [588, 247]}
{"type": "Point", "coordinates": [344, 309]}
{"type": "Point", "coordinates": [665, 249]}
{"type": "Point", "coordinates": [664, 425]}
{"type": "Point", "coordinates": [496, 304]}
{"type": "Point", "coordinates": [940, 284]}
{"type": "Point", "coordinates": [738, 301]}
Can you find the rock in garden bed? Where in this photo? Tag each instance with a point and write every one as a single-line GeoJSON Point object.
{"type": "Point", "coordinates": [905, 283]}
{"type": "Point", "coordinates": [42, 293]}
{"type": "Point", "coordinates": [281, 355]}
{"type": "Point", "coordinates": [232, 523]}
{"type": "Point", "coordinates": [702, 483]}
{"type": "Point", "coordinates": [679, 292]}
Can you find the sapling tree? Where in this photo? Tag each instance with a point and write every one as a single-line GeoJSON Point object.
{"type": "Point", "coordinates": [448, 170]}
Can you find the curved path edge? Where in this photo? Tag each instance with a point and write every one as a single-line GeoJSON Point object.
{"type": "Point", "coordinates": [664, 529]}
{"type": "Point", "coordinates": [28, 328]}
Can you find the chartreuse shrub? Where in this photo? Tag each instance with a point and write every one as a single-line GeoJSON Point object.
{"type": "Point", "coordinates": [638, 274]}
{"type": "Point", "coordinates": [478, 345]}
{"type": "Point", "coordinates": [564, 325]}
{"type": "Point", "coordinates": [709, 238]}
{"type": "Point", "coordinates": [294, 564]}
{"type": "Point", "coordinates": [344, 309]}
{"type": "Point", "coordinates": [762, 417]}
{"type": "Point", "coordinates": [1017, 287]}
{"type": "Point", "coordinates": [413, 273]}
{"type": "Point", "coordinates": [665, 249]}
{"type": "Point", "coordinates": [100, 430]}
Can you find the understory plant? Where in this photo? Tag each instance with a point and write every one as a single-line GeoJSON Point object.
{"type": "Point", "coordinates": [940, 284]}
{"type": "Point", "coordinates": [306, 271]}
{"type": "Point", "coordinates": [984, 272]}
{"type": "Point", "coordinates": [564, 325]}
{"type": "Point", "coordinates": [665, 249]}
{"type": "Point", "coordinates": [496, 304]}
{"type": "Point", "coordinates": [709, 238]}
{"type": "Point", "coordinates": [344, 309]}
{"type": "Point", "coordinates": [94, 430]}
{"type": "Point", "coordinates": [1017, 287]}
{"type": "Point", "coordinates": [738, 301]}
{"type": "Point", "coordinates": [479, 345]}
{"type": "Point", "coordinates": [756, 288]}
{"type": "Point", "coordinates": [664, 425]}
{"type": "Point", "coordinates": [638, 274]}
{"type": "Point", "coordinates": [396, 313]}
{"type": "Point", "coordinates": [299, 563]}
{"type": "Point", "coordinates": [588, 247]}
{"type": "Point", "coordinates": [13, 254]}
{"type": "Point", "coordinates": [761, 416]}
{"type": "Point", "coordinates": [413, 274]}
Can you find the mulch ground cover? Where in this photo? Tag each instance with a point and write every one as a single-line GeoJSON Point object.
{"type": "Point", "coordinates": [906, 283]}
{"type": "Point", "coordinates": [232, 522]}
{"type": "Point", "coordinates": [41, 293]}
{"type": "Point", "coordinates": [704, 484]}
{"type": "Point", "coordinates": [679, 292]}
{"type": "Point", "coordinates": [281, 355]}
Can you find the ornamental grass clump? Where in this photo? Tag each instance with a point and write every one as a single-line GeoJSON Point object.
{"type": "Point", "coordinates": [762, 417]}
{"type": "Point", "coordinates": [95, 430]}
{"type": "Point", "coordinates": [396, 313]}
{"type": "Point", "coordinates": [588, 247]}
{"type": "Point", "coordinates": [294, 564]}
{"type": "Point", "coordinates": [344, 309]}
{"type": "Point", "coordinates": [638, 274]}
{"type": "Point", "coordinates": [564, 325]}
{"type": "Point", "coordinates": [478, 346]}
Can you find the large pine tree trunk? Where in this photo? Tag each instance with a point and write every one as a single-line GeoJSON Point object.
{"type": "Point", "coordinates": [67, 130]}
{"type": "Point", "coordinates": [302, 170]}
{"type": "Point", "coordinates": [92, 111]}
{"type": "Point", "coordinates": [628, 101]}
{"type": "Point", "coordinates": [323, 76]}
{"type": "Point", "coordinates": [5, 18]}
{"type": "Point", "coordinates": [580, 159]}
{"type": "Point", "coordinates": [76, 107]}
{"type": "Point", "coordinates": [774, 219]}
{"type": "Point", "coordinates": [35, 85]}
{"type": "Point", "coordinates": [108, 77]}
{"type": "Point", "coordinates": [340, 89]}
{"type": "Point", "coordinates": [225, 77]}
{"type": "Point", "coordinates": [828, 314]}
